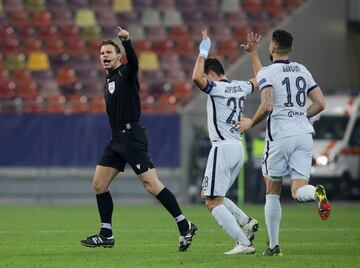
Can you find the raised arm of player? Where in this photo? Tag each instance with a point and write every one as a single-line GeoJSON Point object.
{"type": "Point", "coordinates": [132, 59]}
{"type": "Point", "coordinates": [250, 47]}
{"type": "Point", "coordinates": [265, 107]}
{"type": "Point", "coordinates": [318, 102]}
{"type": "Point", "coordinates": [198, 76]}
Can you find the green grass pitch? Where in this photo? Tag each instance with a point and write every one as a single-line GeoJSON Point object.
{"type": "Point", "coordinates": [146, 236]}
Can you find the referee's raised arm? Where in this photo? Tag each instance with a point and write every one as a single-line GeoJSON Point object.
{"type": "Point", "coordinates": [132, 59]}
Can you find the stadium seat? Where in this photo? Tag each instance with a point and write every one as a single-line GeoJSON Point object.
{"type": "Point", "coordinates": [10, 45]}
{"type": "Point", "coordinates": [100, 5]}
{"type": "Point", "coordinates": [122, 6]}
{"type": "Point", "coordinates": [172, 17]}
{"type": "Point", "coordinates": [164, 5]}
{"type": "Point", "coordinates": [97, 104]}
{"type": "Point", "coordinates": [150, 17]}
{"type": "Point", "coordinates": [163, 46]}
{"type": "Point", "coordinates": [155, 33]}
{"type": "Point", "coordinates": [27, 91]}
{"type": "Point", "coordinates": [69, 32]}
{"type": "Point", "coordinates": [85, 18]}
{"type": "Point", "coordinates": [38, 61]}
{"type": "Point", "coordinates": [34, 105]}
{"type": "Point", "coordinates": [62, 17]}
{"type": "Point", "coordinates": [128, 18]}
{"type": "Point", "coordinates": [56, 104]}
{"type": "Point", "coordinates": [78, 4]}
{"type": "Point", "coordinates": [15, 61]}
{"type": "Point", "coordinates": [90, 33]}
{"type": "Point", "coordinates": [21, 77]}
{"type": "Point", "coordinates": [184, 47]}
{"type": "Point", "coordinates": [54, 46]}
{"type": "Point", "coordinates": [106, 18]}
{"type": "Point", "coordinates": [141, 5]}
{"type": "Point", "coordinates": [7, 89]}
{"type": "Point", "coordinates": [19, 18]}
{"type": "Point", "coordinates": [31, 44]}
{"type": "Point", "coordinates": [49, 89]}
{"type": "Point", "coordinates": [141, 45]}
{"type": "Point", "coordinates": [166, 104]}
{"type": "Point", "coordinates": [230, 5]}
{"type": "Point", "coordinates": [35, 5]}
{"type": "Point", "coordinates": [75, 46]}
{"type": "Point", "coordinates": [14, 5]}
{"type": "Point", "coordinates": [178, 33]}
{"type": "Point", "coordinates": [137, 32]}
{"type": "Point", "coordinates": [65, 76]}
{"type": "Point", "coordinates": [79, 104]}
{"type": "Point", "coordinates": [148, 61]}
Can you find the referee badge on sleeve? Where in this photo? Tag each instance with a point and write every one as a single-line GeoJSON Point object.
{"type": "Point", "coordinates": [111, 87]}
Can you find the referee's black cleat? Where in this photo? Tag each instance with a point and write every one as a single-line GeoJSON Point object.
{"type": "Point", "coordinates": [186, 239]}
{"type": "Point", "coordinates": [98, 241]}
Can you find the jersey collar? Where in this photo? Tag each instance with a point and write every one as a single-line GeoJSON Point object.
{"type": "Point", "coordinates": [225, 80]}
{"type": "Point", "coordinates": [282, 61]}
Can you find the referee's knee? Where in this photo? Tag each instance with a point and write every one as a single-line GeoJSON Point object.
{"type": "Point", "coordinates": [99, 187]}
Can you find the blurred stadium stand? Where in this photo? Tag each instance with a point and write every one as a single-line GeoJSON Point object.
{"type": "Point", "coordinates": [55, 44]}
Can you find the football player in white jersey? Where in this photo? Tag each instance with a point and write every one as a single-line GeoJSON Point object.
{"type": "Point", "coordinates": [224, 107]}
{"type": "Point", "coordinates": [284, 87]}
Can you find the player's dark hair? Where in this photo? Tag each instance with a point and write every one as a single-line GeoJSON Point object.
{"type": "Point", "coordinates": [111, 42]}
{"type": "Point", "coordinates": [284, 40]}
{"type": "Point", "coordinates": [214, 64]}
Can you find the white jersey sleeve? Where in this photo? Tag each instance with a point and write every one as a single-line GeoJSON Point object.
{"type": "Point", "coordinates": [291, 82]}
{"type": "Point", "coordinates": [225, 104]}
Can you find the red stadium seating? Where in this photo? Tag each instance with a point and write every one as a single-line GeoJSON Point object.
{"type": "Point", "coordinates": [72, 54]}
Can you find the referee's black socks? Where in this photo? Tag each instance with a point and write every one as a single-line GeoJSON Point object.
{"type": "Point", "coordinates": [105, 206]}
{"type": "Point", "coordinates": [168, 200]}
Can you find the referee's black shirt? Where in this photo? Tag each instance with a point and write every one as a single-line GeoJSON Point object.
{"type": "Point", "coordinates": [121, 91]}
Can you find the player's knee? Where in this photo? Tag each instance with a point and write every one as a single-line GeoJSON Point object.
{"type": "Point", "coordinates": [211, 203]}
{"type": "Point", "coordinates": [99, 186]}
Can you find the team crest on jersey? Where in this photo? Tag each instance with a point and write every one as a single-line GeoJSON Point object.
{"type": "Point", "coordinates": [111, 87]}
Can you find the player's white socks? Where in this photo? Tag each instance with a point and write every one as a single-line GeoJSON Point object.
{"type": "Point", "coordinates": [273, 218]}
{"type": "Point", "coordinates": [228, 222]}
{"type": "Point", "coordinates": [240, 216]}
{"type": "Point", "coordinates": [305, 193]}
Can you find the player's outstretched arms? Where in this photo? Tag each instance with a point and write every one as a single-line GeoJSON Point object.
{"type": "Point", "coordinates": [318, 102]}
{"type": "Point", "coordinates": [198, 76]}
{"type": "Point", "coordinates": [250, 47]}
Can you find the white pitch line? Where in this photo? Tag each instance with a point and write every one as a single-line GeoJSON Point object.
{"type": "Point", "coordinates": [171, 230]}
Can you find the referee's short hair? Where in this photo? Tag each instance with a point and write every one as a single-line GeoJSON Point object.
{"type": "Point", "coordinates": [215, 65]}
{"type": "Point", "coordinates": [283, 40]}
{"type": "Point", "coordinates": [111, 42]}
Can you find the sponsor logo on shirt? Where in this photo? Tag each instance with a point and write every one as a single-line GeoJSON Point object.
{"type": "Point", "coordinates": [262, 81]}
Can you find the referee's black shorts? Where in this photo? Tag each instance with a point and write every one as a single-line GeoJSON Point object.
{"type": "Point", "coordinates": [128, 145]}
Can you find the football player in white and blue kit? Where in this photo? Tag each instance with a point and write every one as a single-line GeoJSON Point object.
{"type": "Point", "coordinates": [284, 87]}
{"type": "Point", "coordinates": [224, 107]}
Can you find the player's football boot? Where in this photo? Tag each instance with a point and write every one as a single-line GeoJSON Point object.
{"type": "Point", "coordinates": [241, 249]}
{"type": "Point", "coordinates": [185, 240]}
{"type": "Point", "coordinates": [324, 207]}
{"type": "Point", "coordinates": [250, 228]}
{"type": "Point", "coordinates": [98, 241]}
{"type": "Point", "coordinates": [276, 251]}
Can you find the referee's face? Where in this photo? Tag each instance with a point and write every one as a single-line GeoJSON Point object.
{"type": "Point", "coordinates": [109, 58]}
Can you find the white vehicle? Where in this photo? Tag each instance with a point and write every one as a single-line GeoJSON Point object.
{"type": "Point", "coordinates": [336, 154]}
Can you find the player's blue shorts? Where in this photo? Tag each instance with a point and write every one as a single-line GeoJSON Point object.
{"type": "Point", "coordinates": [290, 156]}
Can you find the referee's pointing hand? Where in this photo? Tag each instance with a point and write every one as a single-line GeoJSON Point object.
{"type": "Point", "coordinates": [123, 34]}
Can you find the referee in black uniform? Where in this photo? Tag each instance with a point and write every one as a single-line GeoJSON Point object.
{"type": "Point", "coordinates": [127, 145]}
